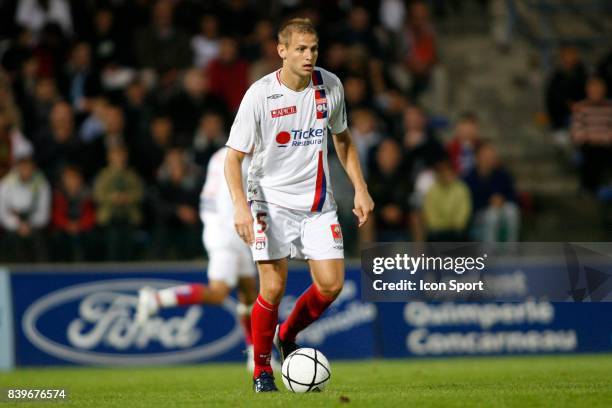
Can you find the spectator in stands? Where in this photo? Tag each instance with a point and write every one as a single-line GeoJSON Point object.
{"type": "Point", "coordinates": [209, 137]}
{"type": "Point", "coordinates": [496, 213]}
{"type": "Point", "coordinates": [365, 134]}
{"type": "Point", "coordinates": [195, 98]}
{"type": "Point", "coordinates": [95, 151]}
{"type": "Point", "coordinates": [565, 87]}
{"type": "Point", "coordinates": [251, 46]}
{"type": "Point", "coordinates": [59, 147]}
{"type": "Point", "coordinates": [118, 192]}
{"type": "Point", "coordinates": [80, 81]}
{"type": "Point", "coordinates": [228, 74]}
{"type": "Point", "coordinates": [356, 94]}
{"type": "Point", "coordinates": [162, 46]}
{"type": "Point", "coordinates": [421, 148]}
{"type": "Point", "coordinates": [92, 127]}
{"type": "Point", "coordinates": [179, 182]}
{"type": "Point", "coordinates": [8, 107]}
{"type": "Point", "coordinates": [44, 97]}
{"type": "Point", "coordinates": [358, 31]}
{"type": "Point", "coordinates": [35, 15]}
{"type": "Point", "coordinates": [12, 143]}
{"type": "Point", "coordinates": [447, 206]}
{"type": "Point", "coordinates": [19, 49]}
{"type": "Point", "coordinates": [51, 51]}
{"type": "Point", "coordinates": [25, 201]}
{"type": "Point", "coordinates": [604, 70]}
{"type": "Point", "coordinates": [6, 146]}
{"type": "Point", "coordinates": [591, 131]}
{"type": "Point", "coordinates": [335, 59]}
{"type": "Point", "coordinates": [23, 82]}
{"type": "Point", "coordinates": [268, 62]}
{"type": "Point", "coordinates": [108, 47]}
{"type": "Point", "coordinates": [73, 218]}
{"type": "Point", "coordinates": [205, 44]}
{"type": "Point", "coordinates": [390, 190]}
{"type": "Point", "coordinates": [392, 14]}
{"type": "Point", "coordinates": [461, 147]}
{"type": "Point", "coordinates": [137, 110]}
{"type": "Point", "coordinates": [151, 152]}
{"type": "Point", "coordinates": [421, 53]}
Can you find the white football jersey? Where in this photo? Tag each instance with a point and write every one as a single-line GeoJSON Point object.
{"type": "Point", "coordinates": [286, 131]}
{"type": "Point", "coordinates": [216, 205]}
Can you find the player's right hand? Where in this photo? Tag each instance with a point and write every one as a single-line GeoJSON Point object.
{"type": "Point", "coordinates": [243, 222]}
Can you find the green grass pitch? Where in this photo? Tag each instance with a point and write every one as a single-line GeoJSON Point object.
{"type": "Point", "coordinates": [529, 381]}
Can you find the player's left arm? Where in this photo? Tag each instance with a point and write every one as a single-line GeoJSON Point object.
{"type": "Point", "coordinates": [347, 153]}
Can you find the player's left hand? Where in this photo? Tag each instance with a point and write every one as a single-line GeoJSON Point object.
{"type": "Point", "coordinates": [364, 205]}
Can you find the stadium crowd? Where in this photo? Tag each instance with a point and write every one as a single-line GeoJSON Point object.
{"type": "Point", "coordinates": [580, 112]}
{"type": "Point", "coordinates": [110, 111]}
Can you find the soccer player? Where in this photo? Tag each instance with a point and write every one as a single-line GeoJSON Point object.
{"type": "Point", "coordinates": [289, 209]}
{"type": "Point", "coordinates": [230, 263]}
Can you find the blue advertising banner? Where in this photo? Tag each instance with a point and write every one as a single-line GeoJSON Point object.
{"type": "Point", "coordinates": [446, 329]}
{"type": "Point", "coordinates": [6, 323]}
{"type": "Point", "coordinates": [87, 317]}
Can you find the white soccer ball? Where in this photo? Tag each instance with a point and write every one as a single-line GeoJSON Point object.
{"type": "Point", "coordinates": [306, 370]}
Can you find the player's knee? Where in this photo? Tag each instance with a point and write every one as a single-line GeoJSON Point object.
{"type": "Point", "coordinates": [217, 292]}
{"type": "Point", "coordinates": [273, 292]}
{"type": "Point", "coordinates": [216, 297]}
{"type": "Point", "coordinates": [331, 290]}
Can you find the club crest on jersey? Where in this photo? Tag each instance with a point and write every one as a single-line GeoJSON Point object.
{"type": "Point", "coordinates": [336, 233]}
{"type": "Point", "coordinates": [289, 110]}
{"type": "Point", "coordinates": [260, 243]}
{"type": "Point", "coordinates": [321, 104]}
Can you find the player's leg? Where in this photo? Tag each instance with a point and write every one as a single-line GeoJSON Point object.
{"type": "Point", "coordinates": [264, 317]}
{"type": "Point", "coordinates": [151, 301]}
{"type": "Point", "coordinates": [322, 244]}
{"type": "Point", "coordinates": [222, 274]}
{"type": "Point", "coordinates": [328, 279]}
{"type": "Point", "coordinates": [274, 233]}
{"type": "Point", "coordinates": [247, 293]}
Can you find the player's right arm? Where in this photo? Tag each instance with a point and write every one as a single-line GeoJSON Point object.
{"type": "Point", "coordinates": [243, 220]}
{"type": "Point", "coordinates": [242, 140]}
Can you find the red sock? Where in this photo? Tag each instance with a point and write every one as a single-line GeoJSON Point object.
{"type": "Point", "coordinates": [307, 309]}
{"type": "Point", "coordinates": [263, 322]}
{"type": "Point", "coordinates": [189, 294]}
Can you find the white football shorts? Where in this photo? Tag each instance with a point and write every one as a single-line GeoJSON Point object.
{"type": "Point", "coordinates": [229, 257]}
{"type": "Point", "coordinates": [282, 232]}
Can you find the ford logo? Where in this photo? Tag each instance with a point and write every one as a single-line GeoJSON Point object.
{"type": "Point", "coordinates": [102, 330]}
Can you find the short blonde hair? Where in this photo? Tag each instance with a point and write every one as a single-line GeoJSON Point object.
{"type": "Point", "coordinates": [295, 25]}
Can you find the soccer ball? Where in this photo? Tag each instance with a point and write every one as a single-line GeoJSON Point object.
{"type": "Point", "coordinates": [306, 370]}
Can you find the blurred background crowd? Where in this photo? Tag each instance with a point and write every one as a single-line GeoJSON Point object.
{"type": "Point", "coordinates": [110, 111]}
